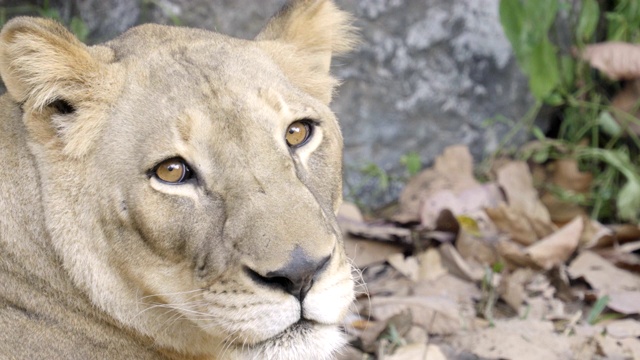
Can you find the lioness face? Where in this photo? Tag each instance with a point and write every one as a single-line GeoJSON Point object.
{"type": "Point", "coordinates": [235, 183]}
{"type": "Point", "coordinates": [204, 174]}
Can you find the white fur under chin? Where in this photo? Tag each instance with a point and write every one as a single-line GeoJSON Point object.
{"type": "Point", "coordinates": [321, 342]}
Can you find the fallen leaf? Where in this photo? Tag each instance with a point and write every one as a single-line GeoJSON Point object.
{"type": "Point", "coordinates": [457, 265]}
{"type": "Point", "coordinates": [350, 211]}
{"type": "Point", "coordinates": [480, 249]}
{"type": "Point", "coordinates": [624, 328]}
{"type": "Point", "coordinates": [565, 174]}
{"type": "Point", "coordinates": [512, 289]}
{"type": "Point", "coordinates": [407, 266]}
{"type": "Point", "coordinates": [618, 60]}
{"type": "Point", "coordinates": [556, 248]}
{"type": "Point", "coordinates": [625, 302]}
{"type": "Point", "coordinates": [452, 170]}
{"type": "Point", "coordinates": [417, 351]}
{"type": "Point", "coordinates": [430, 265]}
{"type": "Point", "coordinates": [612, 348]}
{"type": "Point", "coordinates": [626, 101]}
{"type": "Point", "coordinates": [521, 226]}
{"type": "Point", "coordinates": [467, 203]}
{"type": "Point", "coordinates": [380, 232]}
{"type": "Point", "coordinates": [449, 286]}
{"type": "Point", "coordinates": [517, 183]}
{"type": "Point", "coordinates": [364, 253]}
{"type": "Point", "coordinates": [438, 315]}
{"type": "Point", "coordinates": [518, 339]}
{"type": "Point", "coordinates": [601, 275]}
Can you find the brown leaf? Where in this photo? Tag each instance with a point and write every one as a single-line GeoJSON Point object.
{"type": "Point", "coordinates": [556, 248]}
{"type": "Point", "coordinates": [364, 253]}
{"type": "Point", "coordinates": [518, 339]}
{"type": "Point", "coordinates": [613, 348]}
{"type": "Point", "coordinates": [380, 232]}
{"type": "Point", "coordinates": [626, 101]}
{"type": "Point", "coordinates": [408, 266]}
{"type": "Point", "coordinates": [618, 60]}
{"type": "Point", "coordinates": [518, 225]}
{"type": "Point", "coordinates": [430, 265]}
{"type": "Point", "coordinates": [515, 179]}
{"type": "Point", "coordinates": [457, 265]}
{"type": "Point", "coordinates": [417, 351]}
{"type": "Point", "coordinates": [512, 288]}
{"type": "Point", "coordinates": [603, 276]}
{"type": "Point", "coordinates": [437, 315]}
{"type": "Point", "coordinates": [452, 170]}
{"type": "Point", "coordinates": [624, 328]}
{"type": "Point", "coordinates": [469, 202]}
{"type": "Point", "coordinates": [625, 302]}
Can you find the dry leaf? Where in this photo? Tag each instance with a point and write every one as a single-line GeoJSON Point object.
{"type": "Point", "coordinates": [512, 288]}
{"type": "Point", "coordinates": [480, 249]}
{"type": "Point", "coordinates": [380, 232]}
{"type": "Point", "coordinates": [457, 265]}
{"type": "Point", "coordinates": [364, 253]}
{"type": "Point", "coordinates": [438, 315]}
{"type": "Point", "coordinates": [603, 276]}
{"type": "Point", "coordinates": [618, 60]}
{"type": "Point", "coordinates": [350, 211]}
{"type": "Point", "coordinates": [518, 339]}
{"type": "Point", "coordinates": [626, 101]}
{"type": "Point", "coordinates": [449, 286]}
{"type": "Point", "coordinates": [565, 174]}
{"type": "Point", "coordinates": [515, 179]}
{"type": "Point", "coordinates": [613, 348]}
{"type": "Point", "coordinates": [625, 302]}
{"type": "Point", "coordinates": [519, 225]}
{"type": "Point", "coordinates": [556, 248]}
{"type": "Point", "coordinates": [408, 266]}
{"type": "Point", "coordinates": [417, 351]}
{"type": "Point", "coordinates": [624, 328]}
{"type": "Point", "coordinates": [468, 202]}
{"type": "Point", "coordinates": [430, 265]}
{"type": "Point", "coordinates": [453, 170]}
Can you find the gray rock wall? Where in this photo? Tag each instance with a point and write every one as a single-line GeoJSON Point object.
{"type": "Point", "coordinates": [427, 74]}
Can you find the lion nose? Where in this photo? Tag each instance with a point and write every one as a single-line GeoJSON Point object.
{"type": "Point", "coordinates": [296, 278]}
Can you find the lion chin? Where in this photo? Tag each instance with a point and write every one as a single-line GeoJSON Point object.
{"type": "Point", "coordinates": [302, 340]}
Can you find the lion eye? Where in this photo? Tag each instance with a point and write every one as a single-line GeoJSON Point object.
{"type": "Point", "coordinates": [298, 133]}
{"type": "Point", "coordinates": [173, 171]}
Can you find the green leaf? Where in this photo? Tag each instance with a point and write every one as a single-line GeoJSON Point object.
{"type": "Point", "coordinates": [588, 20]}
{"type": "Point", "coordinates": [568, 71]}
{"type": "Point", "coordinates": [628, 202]}
{"type": "Point", "coordinates": [597, 309]}
{"type": "Point", "coordinates": [412, 163]}
{"type": "Point", "coordinates": [608, 124]}
{"type": "Point", "coordinates": [79, 28]}
{"type": "Point", "coordinates": [544, 73]}
{"type": "Point", "coordinates": [512, 16]}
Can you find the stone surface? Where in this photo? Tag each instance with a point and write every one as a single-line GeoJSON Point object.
{"type": "Point", "coordinates": [427, 74]}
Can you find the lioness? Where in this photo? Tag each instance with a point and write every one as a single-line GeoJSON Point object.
{"type": "Point", "coordinates": [172, 193]}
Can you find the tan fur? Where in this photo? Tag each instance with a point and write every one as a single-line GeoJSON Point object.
{"type": "Point", "coordinates": [100, 259]}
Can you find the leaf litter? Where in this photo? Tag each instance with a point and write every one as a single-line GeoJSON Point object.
{"type": "Point", "coordinates": [493, 270]}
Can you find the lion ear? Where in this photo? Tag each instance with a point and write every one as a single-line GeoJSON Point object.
{"type": "Point", "coordinates": [303, 37]}
{"type": "Point", "coordinates": [40, 62]}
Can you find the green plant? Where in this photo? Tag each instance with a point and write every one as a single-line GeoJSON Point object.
{"type": "Point", "coordinates": [588, 130]}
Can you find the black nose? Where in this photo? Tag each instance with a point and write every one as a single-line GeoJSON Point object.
{"type": "Point", "coordinates": [297, 277]}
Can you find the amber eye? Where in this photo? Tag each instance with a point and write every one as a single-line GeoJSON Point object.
{"type": "Point", "coordinates": [173, 171]}
{"type": "Point", "coordinates": [298, 133]}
